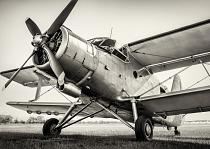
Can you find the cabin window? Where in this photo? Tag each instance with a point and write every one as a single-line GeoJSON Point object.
{"type": "Point", "coordinates": [162, 90]}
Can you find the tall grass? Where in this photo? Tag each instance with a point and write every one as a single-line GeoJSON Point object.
{"type": "Point", "coordinates": [101, 136]}
{"type": "Point", "coordinates": [36, 141]}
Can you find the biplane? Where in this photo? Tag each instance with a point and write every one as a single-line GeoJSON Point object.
{"type": "Point", "coordinates": [112, 82]}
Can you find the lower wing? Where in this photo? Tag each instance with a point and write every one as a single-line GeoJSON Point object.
{"type": "Point", "coordinates": [57, 108]}
{"type": "Point", "coordinates": [178, 102]}
{"type": "Point", "coordinates": [30, 76]}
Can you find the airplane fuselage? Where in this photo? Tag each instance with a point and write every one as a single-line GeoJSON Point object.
{"type": "Point", "coordinates": [112, 72]}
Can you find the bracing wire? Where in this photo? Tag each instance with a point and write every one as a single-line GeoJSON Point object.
{"type": "Point", "coordinates": [63, 95]}
{"type": "Point", "coordinates": [43, 93]}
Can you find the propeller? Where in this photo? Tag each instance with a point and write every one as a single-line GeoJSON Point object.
{"type": "Point", "coordinates": [40, 40]}
{"type": "Point", "coordinates": [15, 74]}
{"type": "Point", "coordinates": [32, 27]}
{"type": "Point", "coordinates": [61, 18]}
{"type": "Point", "coordinates": [55, 65]}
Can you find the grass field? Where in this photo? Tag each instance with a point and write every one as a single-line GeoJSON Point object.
{"type": "Point", "coordinates": [101, 136]}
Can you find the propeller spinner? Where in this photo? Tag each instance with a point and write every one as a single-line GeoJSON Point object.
{"type": "Point", "coordinates": [40, 40]}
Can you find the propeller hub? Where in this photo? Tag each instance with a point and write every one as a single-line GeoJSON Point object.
{"type": "Point", "coordinates": [37, 40]}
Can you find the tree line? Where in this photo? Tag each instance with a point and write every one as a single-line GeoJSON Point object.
{"type": "Point", "coordinates": [5, 119]}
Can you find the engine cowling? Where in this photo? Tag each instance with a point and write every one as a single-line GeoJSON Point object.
{"type": "Point", "coordinates": [76, 55]}
{"type": "Point", "coordinates": [57, 44]}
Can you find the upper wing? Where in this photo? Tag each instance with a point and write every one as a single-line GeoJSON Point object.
{"type": "Point", "coordinates": [174, 49]}
{"type": "Point", "coordinates": [29, 76]}
{"type": "Point", "coordinates": [179, 102]}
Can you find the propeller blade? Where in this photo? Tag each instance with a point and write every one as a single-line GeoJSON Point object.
{"type": "Point", "coordinates": [55, 65]}
{"type": "Point", "coordinates": [15, 74]}
{"type": "Point", "coordinates": [32, 27]}
{"type": "Point", "coordinates": [61, 18]}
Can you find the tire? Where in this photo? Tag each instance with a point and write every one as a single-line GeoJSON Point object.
{"type": "Point", "coordinates": [143, 129]}
{"type": "Point", "coordinates": [48, 128]}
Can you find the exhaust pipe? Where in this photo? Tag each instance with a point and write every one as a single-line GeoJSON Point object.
{"type": "Point", "coordinates": [71, 90]}
{"type": "Point", "coordinates": [162, 121]}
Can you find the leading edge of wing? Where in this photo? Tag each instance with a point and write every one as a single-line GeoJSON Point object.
{"type": "Point", "coordinates": [179, 102]}
{"type": "Point", "coordinates": [43, 107]}
{"type": "Point", "coordinates": [29, 76]}
{"type": "Point", "coordinates": [170, 32]}
{"type": "Point", "coordinates": [14, 70]}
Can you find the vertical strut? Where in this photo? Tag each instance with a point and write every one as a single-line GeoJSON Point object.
{"type": "Point", "coordinates": [205, 68]}
{"type": "Point", "coordinates": [134, 108]}
{"type": "Point", "coordinates": [38, 89]}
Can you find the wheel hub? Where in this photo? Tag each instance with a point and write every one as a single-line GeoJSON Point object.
{"type": "Point", "coordinates": [148, 129]}
{"type": "Point", "coordinates": [53, 129]}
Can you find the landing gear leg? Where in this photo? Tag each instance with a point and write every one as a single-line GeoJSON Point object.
{"type": "Point", "coordinates": [53, 127]}
{"type": "Point", "coordinates": [176, 132]}
{"type": "Point", "coordinates": [143, 125]}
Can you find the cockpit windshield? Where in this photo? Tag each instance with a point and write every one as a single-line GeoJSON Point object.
{"type": "Point", "coordinates": [122, 54]}
{"type": "Point", "coordinates": [108, 45]}
{"type": "Point", "coordinates": [103, 42]}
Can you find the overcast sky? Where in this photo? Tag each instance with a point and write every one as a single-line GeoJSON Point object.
{"type": "Point", "coordinates": [131, 20]}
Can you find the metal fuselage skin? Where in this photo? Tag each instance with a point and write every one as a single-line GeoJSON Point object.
{"type": "Point", "coordinates": [112, 77]}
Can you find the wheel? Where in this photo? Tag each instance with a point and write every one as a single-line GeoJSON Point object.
{"type": "Point", "coordinates": [49, 128]}
{"type": "Point", "coordinates": [143, 129]}
{"type": "Point", "coordinates": [176, 132]}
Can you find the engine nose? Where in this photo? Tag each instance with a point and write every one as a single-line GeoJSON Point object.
{"type": "Point", "coordinates": [57, 45]}
{"type": "Point", "coordinates": [76, 55]}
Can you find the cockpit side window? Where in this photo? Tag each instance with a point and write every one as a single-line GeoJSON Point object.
{"type": "Point", "coordinates": [122, 54]}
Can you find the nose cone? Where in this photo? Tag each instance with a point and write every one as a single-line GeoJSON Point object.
{"type": "Point", "coordinates": [37, 39]}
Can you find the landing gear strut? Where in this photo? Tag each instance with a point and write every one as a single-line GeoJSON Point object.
{"type": "Point", "coordinates": [143, 125]}
{"type": "Point", "coordinates": [49, 128]}
{"type": "Point", "coordinates": [176, 132]}
{"type": "Point", "coordinates": [143, 129]}
{"type": "Point", "coordinates": [53, 127]}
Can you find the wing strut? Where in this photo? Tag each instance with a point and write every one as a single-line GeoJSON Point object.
{"type": "Point", "coordinates": [38, 90]}
{"type": "Point", "coordinates": [115, 115]}
{"type": "Point", "coordinates": [208, 75]}
{"type": "Point", "coordinates": [139, 96]}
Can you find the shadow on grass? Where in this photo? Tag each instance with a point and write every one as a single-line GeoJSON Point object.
{"type": "Point", "coordinates": [10, 140]}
